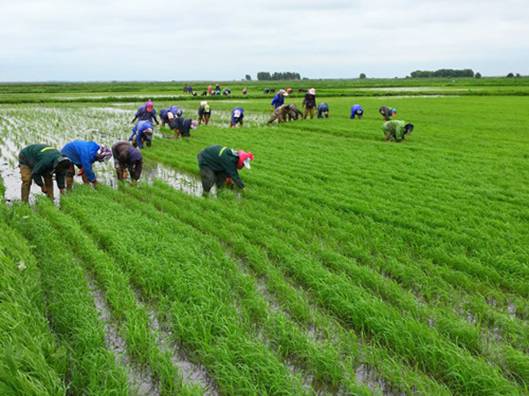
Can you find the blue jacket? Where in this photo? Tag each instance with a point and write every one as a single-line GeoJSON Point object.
{"type": "Point", "coordinates": [323, 107]}
{"type": "Point", "coordinates": [235, 119]}
{"type": "Point", "coordinates": [137, 132]}
{"type": "Point", "coordinates": [143, 115]}
{"type": "Point", "coordinates": [356, 108]}
{"type": "Point", "coordinates": [83, 154]}
{"type": "Point", "coordinates": [278, 100]}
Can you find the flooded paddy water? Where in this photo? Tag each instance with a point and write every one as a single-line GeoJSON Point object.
{"type": "Point", "coordinates": [21, 125]}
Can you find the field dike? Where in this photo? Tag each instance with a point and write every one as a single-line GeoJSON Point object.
{"type": "Point", "coordinates": [140, 379]}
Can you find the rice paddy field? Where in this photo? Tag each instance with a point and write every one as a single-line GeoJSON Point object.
{"type": "Point", "coordinates": [347, 266]}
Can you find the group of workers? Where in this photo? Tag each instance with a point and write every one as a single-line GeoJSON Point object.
{"type": "Point", "coordinates": [39, 162]}
{"type": "Point", "coordinates": [218, 165]}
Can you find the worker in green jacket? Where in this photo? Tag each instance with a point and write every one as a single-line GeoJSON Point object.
{"type": "Point", "coordinates": [219, 165]}
{"type": "Point", "coordinates": [396, 130]}
{"type": "Point", "coordinates": [38, 162]}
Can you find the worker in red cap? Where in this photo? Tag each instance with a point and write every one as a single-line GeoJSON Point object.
{"type": "Point", "coordinates": [147, 112]}
{"type": "Point", "coordinates": [220, 165]}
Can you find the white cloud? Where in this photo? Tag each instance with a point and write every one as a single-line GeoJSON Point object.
{"type": "Point", "coordinates": [206, 39]}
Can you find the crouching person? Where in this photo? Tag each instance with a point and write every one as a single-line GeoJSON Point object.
{"type": "Point", "coordinates": [323, 110]}
{"type": "Point", "coordinates": [237, 117]}
{"type": "Point", "coordinates": [141, 134]}
{"type": "Point", "coordinates": [128, 161]}
{"type": "Point", "coordinates": [204, 112]}
{"type": "Point", "coordinates": [220, 166]}
{"type": "Point", "coordinates": [396, 130]}
{"type": "Point", "coordinates": [83, 154]}
{"type": "Point", "coordinates": [38, 162]}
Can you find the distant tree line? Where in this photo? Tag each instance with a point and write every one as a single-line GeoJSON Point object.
{"type": "Point", "coordinates": [266, 76]}
{"type": "Point", "coordinates": [443, 73]}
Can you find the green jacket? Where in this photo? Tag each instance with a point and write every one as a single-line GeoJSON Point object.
{"type": "Point", "coordinates": [41, 159]}
{"type": "Point", "coordinates": [221, 159]}
{"type": "Point", "coordinates": [395, 128]}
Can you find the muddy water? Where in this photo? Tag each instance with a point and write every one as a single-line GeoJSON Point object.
{"type": "Point", "coordinates": [140, 380]}
{"type": "Point", "coordinates": [23, 125]}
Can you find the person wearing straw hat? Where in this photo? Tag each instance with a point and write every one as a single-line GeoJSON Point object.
{"type": "Point", "coordinates": [204, 112]}
{"type": "Point", "coordinates": [309, 103]}
{"type": "Point", "coordinates": [83, 154]}
{"type": "Point", "coordinates": [220, 165]}
{"type": "Point", "coordinates": [279, 99]}
{"type": "Point", "coordinates": [38, 162]}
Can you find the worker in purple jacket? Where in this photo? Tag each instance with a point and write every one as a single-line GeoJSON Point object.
{"type": "Point", "coordinates": [357, 111]}
{"type": "Point", "coordinates": [127, 161]}
{"type": "Point", "coordinates": [141, 133]}
{"type": "Point", "coordinates": [147, 112]}
{"type": "Point", "coordinates": [237, 116]}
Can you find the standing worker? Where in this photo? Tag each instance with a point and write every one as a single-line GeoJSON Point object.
{"type": "Point", "coordinates": [127, 161]}
{"type": "Point", "coordinates": [396, 130]}
{"type": "Point", "coordinates": [323, 110]}
{"type": "Point", "coordinates": [237, 117]}
{"type": "Point", "coordinates": [309, 102]}
{"type": "Point", "coordinates": [279, 99]}
{"type": "Point", "coordinates": [387, 113]}
{"type": "Point", "coordinates": [204, 112]}
{"type": "Point", "coordinates": [141, 133]}
{"type": "Point", "coordinates": [357, 111]}
{"type": "Point", "coordinates": [83, 154]}
{"type": "Point", "coordinates": [37, 162]}
{"type": "Point", "coordinates": [146, 113]}
{"type": "Point", "coordinates": [219, 165]}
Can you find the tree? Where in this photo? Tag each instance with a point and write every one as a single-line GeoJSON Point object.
{"type": "Point", "coordinates": [362, 76]}
{"type": "Point", "coordinates": [478, 75]}
{"type": "Point", "coordinates": [510, 75]}
{"type": "Point", "coordinates": [518, 75]}
{"type": "Point", "coordinates": [248, 77]}
{"type": "Point", "coordinates": [443, 73]}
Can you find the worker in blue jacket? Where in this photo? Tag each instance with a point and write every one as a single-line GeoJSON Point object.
{"type": "Point", "coordinates": [147, 112]}
{"type": "Point", "coordinates": [357, 111]}
{"type": "Point", "coordinates": [166, 115]}
{"type": "Point", "coordinates": [237, 116]}
{"type": "Point", "coordinates": [279, 99]}
{"type": "Point", "coordinates": [83, 154]}
{"type": "Point", "coordinates": [141, 133]}
{"type": "Point", "coordinates": [323, 110]}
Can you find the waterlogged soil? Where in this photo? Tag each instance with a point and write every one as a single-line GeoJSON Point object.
{"type": "Point", "coordinates": [23, 125]}
{"type": "Point", "coordinates": [140, 380]}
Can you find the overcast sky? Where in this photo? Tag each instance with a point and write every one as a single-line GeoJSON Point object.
{"type": "Point", "coordinates": [222, 40]}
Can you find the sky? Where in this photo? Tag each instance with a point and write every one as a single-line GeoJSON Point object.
{"type": "Point", "coordinates": [99, 40]}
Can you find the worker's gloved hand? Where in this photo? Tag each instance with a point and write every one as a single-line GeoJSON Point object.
{"type": "Point", "coordinates": [43, 189]}
{"type": "Point", "coordinates": [81, 172]}
{"type": "Point", "coordinates": [229, 181]}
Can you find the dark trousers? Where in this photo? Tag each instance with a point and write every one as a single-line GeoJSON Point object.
{"type": "Point", "coordinates": [210, 177]}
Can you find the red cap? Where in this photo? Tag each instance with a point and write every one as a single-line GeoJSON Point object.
{"type": "Point", "coordinates": [244, 159]}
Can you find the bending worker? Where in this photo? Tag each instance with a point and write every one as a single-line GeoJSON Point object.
{"type": "Point", "coordinates": [219, 165]}
{"type": "Point", "coordinates": [357, 111]}
{"type": "Point", "coordinates": [83, 155]}
{"type": "Point", "coordinates": [279, 98]}
{"type": "Point", "coordinates": [37, 162]}
{"type": "Point", "coordinates": [396, 130]}
{"type": "Point", "coordinates": [168, 114]}
{"type": "Point", "coordinates": [387, 113]}
{"type": "Point", "coordinates": [237, 116]}
{"type": "Point", "coordinates": [127, 161]}
{"type": "Point", "coordinates": [323, 110]}
{"type": "Point", "coordinates": [309, 102]}
{"type": "Point", "coordinates": [285, 113]}
{"type": "Point", "coordinates": [204, 112]}
{"type": "Point", "coordinates": [146, 113]}
{"type": "Point", "coordinates": [183, 127]}
{"type": "Point", "coordinates": [141, 133]}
